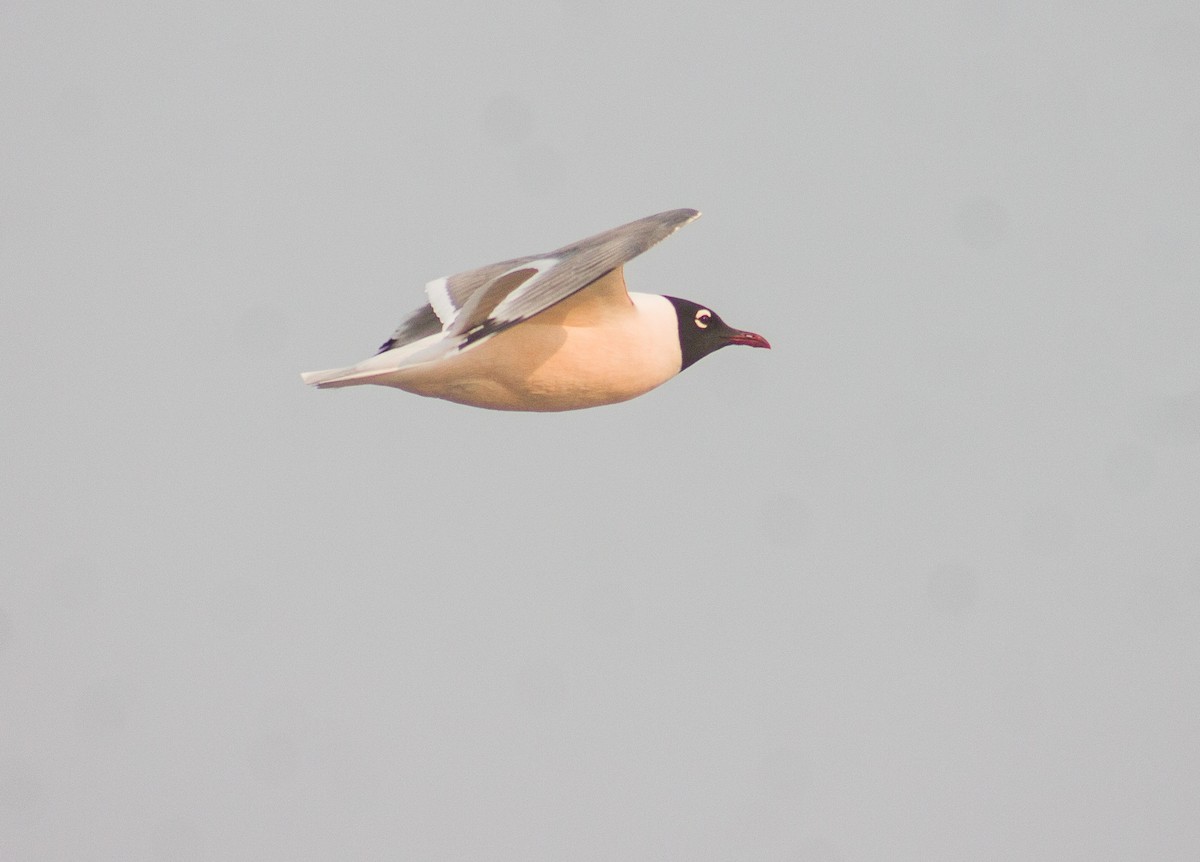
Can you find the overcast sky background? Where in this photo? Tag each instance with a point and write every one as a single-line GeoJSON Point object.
{"type": "Point", "coordinates": [922, 583]}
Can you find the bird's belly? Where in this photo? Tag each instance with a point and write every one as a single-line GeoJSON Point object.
{"type": "Point", "coordinates": [546, 368]}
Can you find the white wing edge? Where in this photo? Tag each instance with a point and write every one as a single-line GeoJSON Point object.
{"type": "Point", "coordinates": [543, 265]}
{"type": "Point", "coordinates": [439, 298]}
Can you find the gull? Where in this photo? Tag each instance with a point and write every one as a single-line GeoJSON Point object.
{"type": "Point", "coordinates": [547, 332]}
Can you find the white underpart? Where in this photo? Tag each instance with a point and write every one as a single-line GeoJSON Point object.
{"type": "Point", "coordinates": [439, 298]}
{"type": "Point", "coordinates": [661, 320]}
{"type": "Point", "coordinates": [660, 323]}
{"type": "Point", "coordinates": [542, 265]}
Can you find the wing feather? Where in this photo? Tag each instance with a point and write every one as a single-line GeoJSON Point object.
{"type": "Point", "coordinates": [480, 302]}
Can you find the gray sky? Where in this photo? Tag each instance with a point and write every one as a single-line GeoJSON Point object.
{"type": "Point", "coordinates": [922, 583]}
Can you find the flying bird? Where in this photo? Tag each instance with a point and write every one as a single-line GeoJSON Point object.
{"type": "Point", "coordinates": [546, 332]}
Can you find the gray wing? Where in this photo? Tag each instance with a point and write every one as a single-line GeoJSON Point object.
{"type": "Point", "coordinates": [420, 324]}
{"type": "Point", "coordinates": [487, 300]}
{"type": "Point", "coordinates": [447, 296]}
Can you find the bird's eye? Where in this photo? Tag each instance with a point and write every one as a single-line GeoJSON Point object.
{"type": "Point", "coordinates": [703, 317]}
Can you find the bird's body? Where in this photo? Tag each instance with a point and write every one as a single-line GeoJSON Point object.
{"type": "Point", "coordinates": [545, 364]}
{"type": "Point", "coordinates": [547, 333]}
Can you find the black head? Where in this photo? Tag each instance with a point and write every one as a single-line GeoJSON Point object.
{"type": "Point", "coordinates": [701, 332]}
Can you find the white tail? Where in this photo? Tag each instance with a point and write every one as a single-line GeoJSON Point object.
{"type": "Point", "coordinates": [334, 377]}
{"type": "Point", "coordinates": [424, 350]}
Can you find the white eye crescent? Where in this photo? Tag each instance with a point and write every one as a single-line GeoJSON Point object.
{"type": "Point", "coordinates": [703, 316]}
